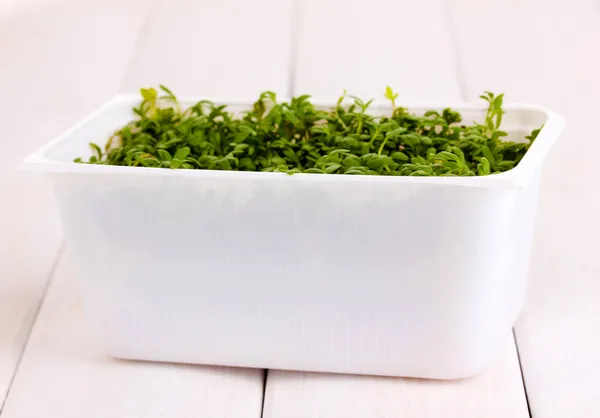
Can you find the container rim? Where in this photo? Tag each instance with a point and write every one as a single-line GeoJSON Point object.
{"type": "Point", "coordinates": [515, 178]}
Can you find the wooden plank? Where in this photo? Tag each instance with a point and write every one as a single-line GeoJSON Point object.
{"type": "Point", "coordinates": [363, 47]}
{"type": "Point", "coordinates": [544, 53]}
{"type": "Point", "coordinates": [62, 369]}
{"type": "Point", "coordinates": [226, 49]}
{"type": "Point", "coordinates": [65, 374]}
{"type": "Point", "coordinates": [57, 64]}
{"type": "Point", "coordinates": [30, 235]}
{"type": "Point", "coordinates": [308, 395]}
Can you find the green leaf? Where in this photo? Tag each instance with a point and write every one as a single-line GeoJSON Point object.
{"type": "Point", "coordinates": [240, 148]}
{"type": "Point", "coordinates": [534, 134]}
{"type": "Point", "coordinates": [164, 155]}
{"type": "Point", "coordinates": [166, 90]}
{"type": "Point", "coordinates": [175, 163]}
{"type": "Point", "coordinates": [224, 164]}
{"type": "Point", "coordinates": [240, 137]}
{"type": "Point", "coordinates": [351, 161]}
{"type": "Point", "coordinates": [331, 168]}
{"type": "Point", "coordinates": [97, 150]}
{"type": "Point", "coordinates": [358, 171]}
{"type": "Point", "coordinates": [149, 94]}
{"type": "Point", "coordinates": [391, 96]}
{"type": "Point", "coordinates": [289, 115]}
{"type": "Point", "coordinates": [498, 100]}
{"type": "Point", "coordinates": [399, 156]}
{"type": "Point", "coordinates": [448, 156]}
{"type": "Point", "coordinates": [487, 153]}
{"type": "Point", "coordinates": [483, 168]}
{"type": "Point", "coordinates": [196, 139]}
{"type": "Point", "coordinates": [146, 160]}
{"type": "Point", "coordinates": [181, 153]}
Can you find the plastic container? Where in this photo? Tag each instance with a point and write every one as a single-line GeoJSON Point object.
{"type": "Point", "coordinates": [401, 276]}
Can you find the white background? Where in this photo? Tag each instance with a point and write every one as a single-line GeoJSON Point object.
{"type": "Point", "coordinates": [59, 59]}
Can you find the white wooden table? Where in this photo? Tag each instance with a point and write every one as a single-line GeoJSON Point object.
{"type": "Point", "coordinates": [61, 58]}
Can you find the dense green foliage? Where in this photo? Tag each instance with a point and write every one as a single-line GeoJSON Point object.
{"type": "Point", "coordinates": [296, 137]}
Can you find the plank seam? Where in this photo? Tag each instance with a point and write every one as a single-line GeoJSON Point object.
{"type": "Point", "coordinates": [521, 371]}
{"type": "Point", "coordinates": [49, 278]}
{"type": "Point", "coordinates": [139, 42]}
{"type": "Point", "coordinates": [264, 393]}
{"type": "Point", "coordinates": [449, 8]}
{"type": "Point", "coordinates": [295, 25]}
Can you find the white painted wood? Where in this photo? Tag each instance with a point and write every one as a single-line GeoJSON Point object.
{"type": "Point", "coordinates": [226, 49]}
{"type": "Point", "coordinates": [547, 53]}
{"type": "Point", "coordinates": [56, 64]}
{"type": "Point", "coordinates": [29, 238]}
{"type": "Point", "coordinates": [364, 46]}
{"type": "Point", "coordinates": [314, 395]}
{"type": "Point", "coordinates": [64, 374]}
{"type": "Point", "coordinates": [83, 63]}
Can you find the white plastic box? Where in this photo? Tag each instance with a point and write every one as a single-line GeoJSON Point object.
{"type": "Point", "coordinates": [400, 276]}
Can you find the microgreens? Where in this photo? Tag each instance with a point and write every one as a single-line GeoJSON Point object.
{"type": "Point", "coordinates": [297, 137]}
